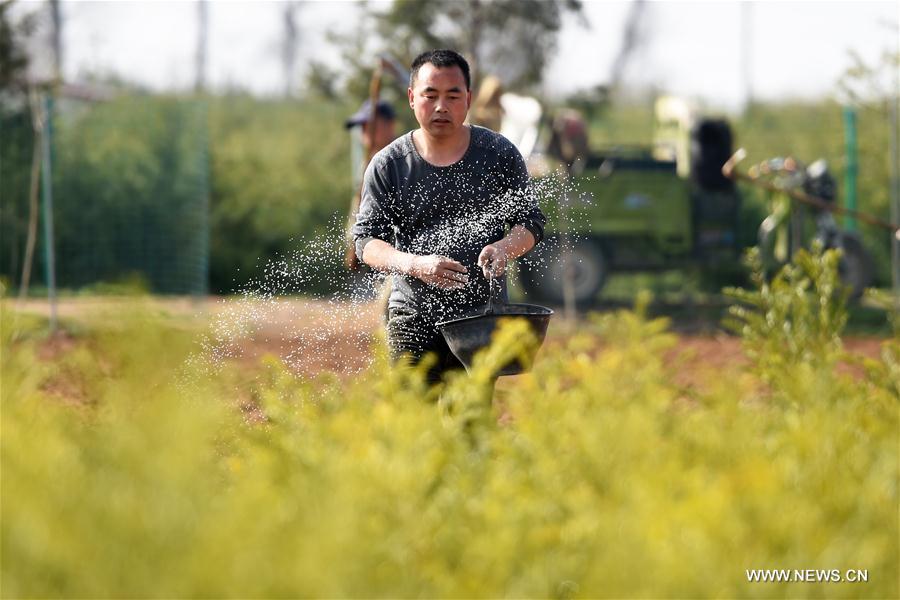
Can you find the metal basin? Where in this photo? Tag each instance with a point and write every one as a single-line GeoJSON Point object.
{"type": "Point", "coordinates": [467, 335]}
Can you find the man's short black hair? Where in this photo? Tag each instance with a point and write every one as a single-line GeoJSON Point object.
{"type": "Point", "coordinates": [440, 59]}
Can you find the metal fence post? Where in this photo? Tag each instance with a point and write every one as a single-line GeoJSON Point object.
{"type": "Point", "coordinates": [47, 185]}
{"type": "Point", "coordinates": [852, 166]}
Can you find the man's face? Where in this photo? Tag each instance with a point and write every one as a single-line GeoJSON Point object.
{"type": "Point", "coordinates": [440, 99]}
{"type": "Point", "coordinates": [384, 133]}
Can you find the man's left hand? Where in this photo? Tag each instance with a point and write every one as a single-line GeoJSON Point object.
{"type": "Point", "coordinates": [492, 261]}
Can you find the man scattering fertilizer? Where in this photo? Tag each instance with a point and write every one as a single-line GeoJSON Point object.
{"type": "Point", "coordinates": [444, 207]}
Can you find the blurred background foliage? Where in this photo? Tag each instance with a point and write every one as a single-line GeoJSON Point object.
{"type": "Point", "coordinates": [513, 39]}
{"type": "Point", "coordinates": [163, 187]}
{"type": "Point", "coordinates": [279, 171]}
{"type": "Point", "coordinates": [132, 176]}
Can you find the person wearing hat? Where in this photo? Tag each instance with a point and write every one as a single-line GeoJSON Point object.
{"type": "Point", "coordinates": [385, 128]}
{"type": "Point", "coordinates": [366, 144]}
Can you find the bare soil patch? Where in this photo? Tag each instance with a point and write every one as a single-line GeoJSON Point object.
{"type": "Point", "coordinates": [314, 336]}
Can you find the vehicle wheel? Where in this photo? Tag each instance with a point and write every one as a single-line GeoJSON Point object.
{"type": "Point", "coordinates": [543, 271]}
{"type": "Point", "coordinates": [855, 268]}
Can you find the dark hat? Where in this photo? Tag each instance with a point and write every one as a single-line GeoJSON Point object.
{"type": "Point", "coordinates": [382, 108]}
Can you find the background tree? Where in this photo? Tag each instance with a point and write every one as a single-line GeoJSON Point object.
{"type": "Point", "coordinates": [512, 39]}
{"type": "Point", "coordinates": [18, 150]}
{"type": "Point", "coordinates": [321, 80]}
{"type": "Point", "coordinates": [13, 54]}
{"type": "Point", "coordinates": [289, 46]}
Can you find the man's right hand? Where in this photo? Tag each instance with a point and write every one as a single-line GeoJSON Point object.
{"type": "Point", "coordinates": [439, 271]}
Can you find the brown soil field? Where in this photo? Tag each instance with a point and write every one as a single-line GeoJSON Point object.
{"type": "Point", "coordinates": [313, 336]}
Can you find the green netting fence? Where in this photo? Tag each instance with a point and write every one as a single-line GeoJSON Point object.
{"type": "Point", "coordinates": [130, 194]}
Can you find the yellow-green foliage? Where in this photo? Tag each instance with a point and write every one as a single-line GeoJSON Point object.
{"type": "Point", "coordinates": [794, 321]}
{"type": "Point", "coordinates": [609, 480]}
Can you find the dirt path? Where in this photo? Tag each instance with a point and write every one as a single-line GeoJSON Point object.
{"type": "Point", "coordinates": [314, 336]}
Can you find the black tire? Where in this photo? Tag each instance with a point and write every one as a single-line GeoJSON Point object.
{"type": "Point", "coordinates": [855, 268]}
{"type": "Point", "coordinates": [542, 273]}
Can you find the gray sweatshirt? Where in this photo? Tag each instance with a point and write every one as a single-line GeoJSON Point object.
{"type": "Point", "coordinates": [453, 211]}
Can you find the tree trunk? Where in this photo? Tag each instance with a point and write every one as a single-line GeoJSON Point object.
{"type": "Point", "coordinates": [37, 124]}
{"type": "Point", "coordinates": [476, 26]}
